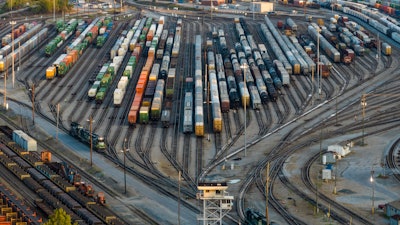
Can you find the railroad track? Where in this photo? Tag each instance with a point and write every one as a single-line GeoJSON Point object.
{"type": "Point", "coordinates": [392, 159]}
{"type": "Point", "coordinates": [334, 206]}
{"type": "Point", "coordinates": [291, 96]}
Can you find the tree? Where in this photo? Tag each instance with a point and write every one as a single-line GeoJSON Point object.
{"type": "Point", "coordinates": [39, 6]}
{"type": "Point", "coordinates": [59, 217]}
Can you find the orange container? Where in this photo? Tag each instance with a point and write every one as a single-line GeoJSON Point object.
{"type": "Point", "coordinates": [132, 117]}
{"type": "Point", "coordinates": [68, 59]}
{"type": "Point", "coordinates": [95, 31]}
{"type": "Point", "coordinates": [22, 28]}
{"type": "Point", "coordinates": [74, 55]}
{"type": "Point", "coordinates": [150, 35]}
{"type": "Point", "coordinates": [140, 88]}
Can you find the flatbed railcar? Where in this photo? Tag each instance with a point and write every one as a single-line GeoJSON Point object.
{"type": "Point", "coordinates": [16, 207]}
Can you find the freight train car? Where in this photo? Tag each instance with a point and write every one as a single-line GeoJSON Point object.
{"type": "Point", "coordinates": [272, 92]}
{"type": "Point", "coordinates": [156, 105]}
{"type": "Point", "coordinates": [215, 103]}
{"type": "Point", "coordinates": [96, 85]}
{"type": "Point", "coordinates": [35, 28]}
{"type": "Point", "coordinates": [15, 33]}
{"type": "Point", "coordinates": [164, 67]}
{"type": "Point", "coordinates": [262, 89]}
{"type": "Point", "coordinates": [140, 88]}
{"type": "Point", "coordinates": [331, 51]}
{"type": "Point", "coordinates": [222, 84]}
{"type": "Point", "coordinates": [64, 34]}
{"type": "Point", "coordinates": [49, 183]}
{"type": "Point", "coordinates": [198, 89]}
{"type": "Point", "coordinates": [188, 113]}
{"type": "Point", "coordinates": [24, 140]}
{"type": "Point", "coordinates": [23, 50]}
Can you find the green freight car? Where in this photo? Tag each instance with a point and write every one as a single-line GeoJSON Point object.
{"type": "Point", "coordinates": [60, 25]}
{"type": "Point", "coordinates": [144, 114]}
{"type": "Point", "coordinates": [100, 95]}
{"type": "Point", "coordinates": [52, 46]}
{"type": "Point", "coordinates": [106, 80]}
{"type": "Point", "coordinates": [101, 40]}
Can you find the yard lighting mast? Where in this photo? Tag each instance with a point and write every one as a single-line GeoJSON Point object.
{"type": "Point", "coordinates": [33, 103]}
{"type": "Point", "coordinates": [363, 105]}
{"type": "Point", "coordinates": [371, 179]}
{"type": "Point", "coordinates": [244, 101]}
{"type": "Point", "coordinates": [124, 151]}
{"type": "Point", "coordinates": [12, 49]}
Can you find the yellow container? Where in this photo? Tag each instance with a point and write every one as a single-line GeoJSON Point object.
{"type": "Point", "coordinates": [199, 130]}
{"type": "Point", "coordinates": [50, 72]}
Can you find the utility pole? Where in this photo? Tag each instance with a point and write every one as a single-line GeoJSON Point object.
{"type": "Point", "coordinates": [318, 64]}
{"type": "Point", "coordinates": [54, 10]}
{"type": "Point", "coordinates": [5, 85]}
{"type": "Point", "coordinates": [12, 49]}
{"type": "Point", "coordinates": [125, 150]}
{"type": "Point", "coordinates": [244, 101]}
{"type": "Point", "coordinates": [363, 105]}
{"type": "Point", "coordinates": [91, 139]}
{"type": "Point", "coordinates": [58, 116]}
{"type": "Point", "coordinates": [336, 169]}
{"type": "Point", "coordinates": [19, 57]}
{"type": "Point", "coordinates": [312, 86]}
{"type": "Point", "coordinates": [373, 191]}
{"type": "Point", "coordinates": [33, 104]}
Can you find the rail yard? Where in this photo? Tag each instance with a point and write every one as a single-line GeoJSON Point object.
{"type": "Point", "coordinates": [248, 100]}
